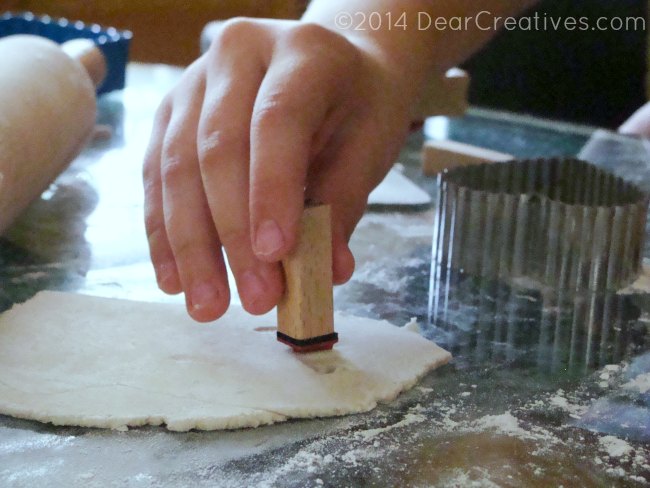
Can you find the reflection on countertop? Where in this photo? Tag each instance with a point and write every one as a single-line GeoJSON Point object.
{"type": "Point", "coordinates": [543, 390]}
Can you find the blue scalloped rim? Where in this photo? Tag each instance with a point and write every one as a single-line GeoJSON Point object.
{"type": "Point", "coordinates": [112, 42]}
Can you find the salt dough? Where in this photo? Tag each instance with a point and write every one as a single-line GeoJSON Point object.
{"type": "Point", "coordinates": [397, 190]}
{"type": "Point", "coordinates": [96, 362]}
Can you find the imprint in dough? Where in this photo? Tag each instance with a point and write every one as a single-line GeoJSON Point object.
{"type": "Point", "coordinates": [78, 360]}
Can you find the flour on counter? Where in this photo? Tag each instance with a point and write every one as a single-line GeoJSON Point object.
{"type": "Point", "coordinates": [505, 423]}
{"type": "Point", "coordinates": [641, 383]}
{"type": "Point", "coordinates": [642, 283]}
{"type": "Point", "coordinates": [33, 276]}
{"type": "Point", "coordinates": [413, 326]}
{"type": "Point", "coordinates": [409, 419]}
{"type": "Point", "coordinates": [376, 273]}
{"type": "Point", "coordinates": [560, 401]}
{"type": "Point", "coordinates": [614, 447]}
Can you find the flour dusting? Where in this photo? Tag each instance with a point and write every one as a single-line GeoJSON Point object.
{"type": "Point", "coordinates": [614, 446]}
{"type": "Point", "coordinates": [641, 383]}
{"type": "Point", "coordinates": [642, 283]}
{"type": "Point", "coordinates": [505, 423]}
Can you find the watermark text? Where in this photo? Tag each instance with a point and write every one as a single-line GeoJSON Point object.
{"type": "Point", "coordinates": [482, 21]}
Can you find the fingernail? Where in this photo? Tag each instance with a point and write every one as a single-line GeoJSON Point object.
{"type": "Point", "coordinates": [268, 238]}
{"type": "Point", "coordinates": [203, 296]}
{"type": "Point", "coordinates": [252, 287]}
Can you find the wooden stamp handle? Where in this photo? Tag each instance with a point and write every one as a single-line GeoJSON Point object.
{"type": "Point", "coordinates": [306, 311]}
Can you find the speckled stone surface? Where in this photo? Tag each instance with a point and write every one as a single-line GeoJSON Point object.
{"type": "Point", "coordinates": [541, 391]}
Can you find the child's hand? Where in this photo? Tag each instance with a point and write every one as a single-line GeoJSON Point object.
{"type": "Point", "coordinates": [275, 112]}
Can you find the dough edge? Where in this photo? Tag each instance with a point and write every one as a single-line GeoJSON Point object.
{"type": "Point", "coordinates": [253, 418]}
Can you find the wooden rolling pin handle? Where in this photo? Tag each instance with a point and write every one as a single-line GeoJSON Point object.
{"type": "Point", "coordinates": [88, 54]}
{"type": "Point", "coordinates": [48, 106]}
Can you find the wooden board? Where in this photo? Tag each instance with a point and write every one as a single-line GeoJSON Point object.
{"type": "Point", "coordinates": [440, 155]}
{"type": "Point", "coordinates": [446, 95]}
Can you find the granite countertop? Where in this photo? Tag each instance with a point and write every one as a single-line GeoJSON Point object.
{"type": "Point", "coordinates": [544, 389]}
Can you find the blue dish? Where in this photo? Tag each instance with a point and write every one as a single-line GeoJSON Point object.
{"type": "Point", "coordinates": [113, 43]}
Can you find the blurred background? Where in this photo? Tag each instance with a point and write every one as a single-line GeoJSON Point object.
{"type": "Point", "coordinates": [594, 77]}
{"type": "Point", "coordinates": [597, 78]}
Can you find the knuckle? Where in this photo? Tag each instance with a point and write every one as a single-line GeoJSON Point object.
{"type": "Point", "coordinates": [185, 250]}
{"type": "Point", "coordinates": [323, 45]}
{"type": "Point", "coordinates": [153, 221]}
{"type": "Point", "coordinates": [159, 249]}
{"type": "Point", "coordinates": [233, 33]}
{"type": "Point", "coordinates": [273, 109]}
{"type": "Point", "coordinates": [176, 158]}
{"type": "Point", "coordinates": [309, 33]}
{"type": "Point", "coordinates": [186, 244]}
{"type": "Point", "coordinates": [173, 169]}
{"type": "Point", "coordinates": [212, 145]}
{"type": "Point", "coordinates": [233, 238]}
{"type": "Point", "coordinates": [150, 168]}
{"type": "Point", "coordinates": [152, 200]}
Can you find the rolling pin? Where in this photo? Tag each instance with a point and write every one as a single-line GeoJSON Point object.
{"type": "Point", "coordinates": [47, 113]}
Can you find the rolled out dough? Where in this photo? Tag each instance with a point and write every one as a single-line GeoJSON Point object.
{"type": "Point", "coordinates": [397, 190]}
{"type": "Point", "coordinates": [78, 360]}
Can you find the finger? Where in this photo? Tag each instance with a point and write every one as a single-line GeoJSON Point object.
{"type": "Point", "coordinates": [232, 85]}
{"type": "Point", "coordinates": [293, 103]}
{"type": "Point", "coordinates": [192, 236]}
{"type": "Point", "coordinates": [160, 250]}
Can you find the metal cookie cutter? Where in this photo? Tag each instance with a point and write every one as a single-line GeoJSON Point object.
{"type": "Point", "coordinates": [561, 222]}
